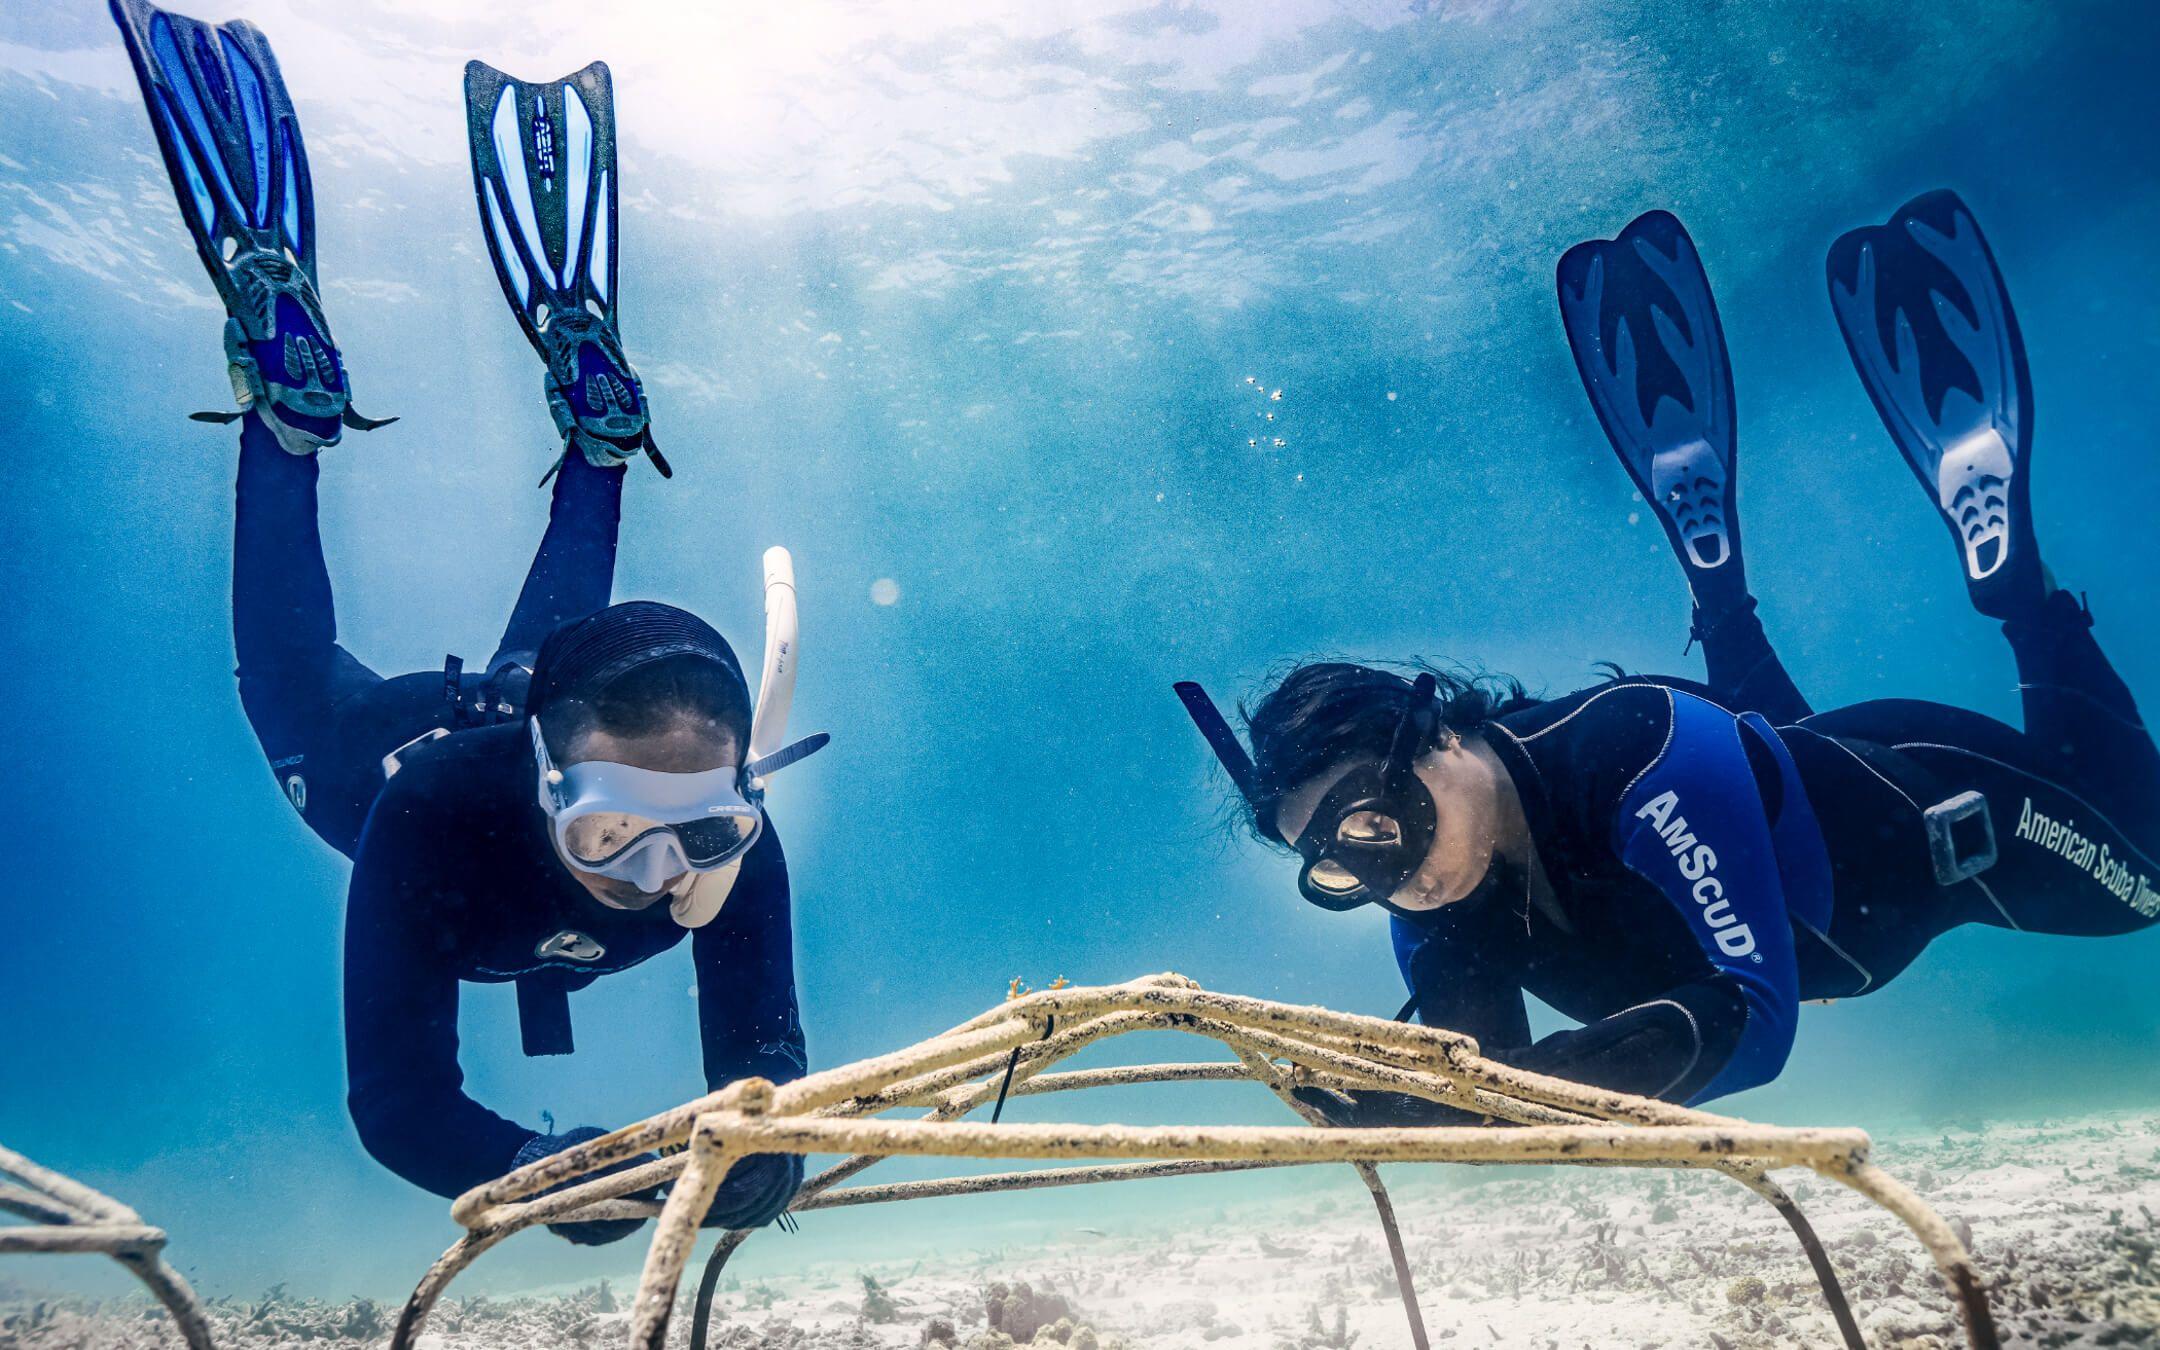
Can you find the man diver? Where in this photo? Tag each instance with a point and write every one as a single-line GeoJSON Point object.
{"type": "Point", "coordinates": [596, 795]}
{"type": "Point", "coordinates": [1676, 865]}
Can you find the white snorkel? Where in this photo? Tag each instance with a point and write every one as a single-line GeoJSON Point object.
{"type": "Point", "coordinates": [776, 685]}
{"type": "Point", "coordinates": [767, 753]}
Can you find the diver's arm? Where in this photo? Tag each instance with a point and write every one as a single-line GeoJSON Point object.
{"type": "Point", "coordinates": [747, 1017]}
{"type": "Point", "coordinates": [405, 1089]}
{"type": "Point", "coordinates": [1669, 1047]}
{"type": "Point", "coordinates": [748, 1023]}
{"type": "Point", "coordinates": [1693, 824]}
{"type": "Point", "coordinates": [1460, 968]}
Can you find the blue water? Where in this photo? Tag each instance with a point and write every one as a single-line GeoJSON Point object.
{"type": "Point", "coordinates": [972, 315]}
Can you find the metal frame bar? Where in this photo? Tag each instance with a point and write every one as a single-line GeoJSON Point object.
{"type": "Point", "coordinates": [1278, 1045]}
{"type": "Point", "coordinates": [69, 1217]}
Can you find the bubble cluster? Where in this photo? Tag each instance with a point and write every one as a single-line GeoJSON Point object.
{"type": "Point", "coordinates": [1265, 415]}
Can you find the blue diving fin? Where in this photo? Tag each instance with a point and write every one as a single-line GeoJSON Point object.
{"type": "Point", "coordinates": [543, 158]}
{"type": "Point", "coordinates": [1927, 319]}
{"type": "Point", "coordinates": [232, 148]}
{"type": "Point", "coordinates": [1645, 334]}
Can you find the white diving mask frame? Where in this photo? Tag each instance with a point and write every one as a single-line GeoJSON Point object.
{"type": "Point", "coordinates": [650, 828]}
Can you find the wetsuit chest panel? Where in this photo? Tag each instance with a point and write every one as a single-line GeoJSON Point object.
{"type": "Point", "coordinates": [1693, 825]}
{"type": "Point", "coordinates": [473, 864]}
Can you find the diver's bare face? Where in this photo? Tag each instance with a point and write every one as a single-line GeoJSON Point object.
{"type": "Point", "coordinates": [1467, 782]}
{"type": "Point", "coordinates": [690, 744]}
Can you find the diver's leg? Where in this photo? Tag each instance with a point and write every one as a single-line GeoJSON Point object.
{"type": "Point", "coordinates": [2079, 711]}
{"type": "Point", "coordinates": [291, 671]}
{"type": "Point", "coordinates": [2077, 840]}
{"type": "Point", "coordinates": [1743, 667]}
{"type": "Point", "coordinates": [573, 573]}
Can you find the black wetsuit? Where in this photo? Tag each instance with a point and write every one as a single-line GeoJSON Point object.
{"type": "Point", "coordinates": [455, 878]}
{"type": "Point", "coordinates": [1636, 791]}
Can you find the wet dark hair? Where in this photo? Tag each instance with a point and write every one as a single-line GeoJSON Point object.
{"type": "Point", "coordinates": [1324, 713]}
{"type": "Point", "coordinates": [635, 669]}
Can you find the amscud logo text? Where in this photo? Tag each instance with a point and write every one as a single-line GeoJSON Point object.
{"type": "Point", "coordinates": [1698, 864]}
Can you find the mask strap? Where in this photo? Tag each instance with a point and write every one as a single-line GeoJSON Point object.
{"type": "Point", "coordinates": [550, 777]}
{"type": "Point", "coordinates": [1411, 734]}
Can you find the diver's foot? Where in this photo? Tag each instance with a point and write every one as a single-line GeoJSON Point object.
{"type": "Point", "coordinates": [1977, 490]}
{"type": "Point", "coordinates": [281, 360]}
{"type": "Point", "coordinates": [594, 394]}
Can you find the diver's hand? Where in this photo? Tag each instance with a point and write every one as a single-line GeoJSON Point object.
{"type": "Point", "coordinates": [756, 1191]}
{"type": "Point", "coordinates": [596, 1232]}
{"type": "Point", "coordinates": [1372, 1109]}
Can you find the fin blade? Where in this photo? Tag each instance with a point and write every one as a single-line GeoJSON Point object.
{"type": "Point", "coordinates": [1643, 327]}
{"type": "Point", "coordinates": [543, 160]}
{"type": "Point", "coordinates": [228, 133]}
{"type": "Point", "coordinates": [1926, 317]}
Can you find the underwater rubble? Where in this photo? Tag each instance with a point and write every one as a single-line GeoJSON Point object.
{"type": "Point", "coordinates": [2062, 1215]}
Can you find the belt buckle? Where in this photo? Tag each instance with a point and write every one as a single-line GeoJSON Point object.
{"type": "Point", "coordinates": [1961, 838]}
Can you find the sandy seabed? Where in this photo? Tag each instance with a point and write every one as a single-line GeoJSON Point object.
{"type": "Point", "coordinates": [2062, 1217]}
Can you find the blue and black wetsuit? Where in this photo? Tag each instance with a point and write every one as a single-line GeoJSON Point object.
{"type": "Point", "coordinates": [1719, 852]}
{"type": "Point", "coordinates": [454, 876]}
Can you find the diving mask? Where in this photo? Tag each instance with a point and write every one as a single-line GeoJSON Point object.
{"type": "Point", "coordinates": [650, 828]}
{"type": "Point", "coordinates": [1373, 829]}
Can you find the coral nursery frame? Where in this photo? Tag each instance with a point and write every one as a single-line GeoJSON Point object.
{"type": "Point", "coordinates": [67, 1216]}
{"type": "Point", "coordinates": [1281, 1046]}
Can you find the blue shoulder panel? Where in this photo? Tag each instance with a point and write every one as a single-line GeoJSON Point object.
{"type": "Point", "coordinates": [1694, 826]}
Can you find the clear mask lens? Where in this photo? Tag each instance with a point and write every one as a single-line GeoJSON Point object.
{"type": "Point", "coordinates": [1369, 827]}
{"type": "Point", "coordinates": [596, 837]}
{"type": "Point", "coordinates": [1332, 877]}
{"type": "Point", "coordinates": [713, 838]}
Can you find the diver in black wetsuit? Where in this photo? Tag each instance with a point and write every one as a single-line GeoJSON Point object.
{"type": "Point", "coordinates": [589, 801]}
{"type": "Point", "coordinates": [1678, 865]}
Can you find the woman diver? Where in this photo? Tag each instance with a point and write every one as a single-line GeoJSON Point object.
{"type": "Point", "coordinates": [1676, 865]}
{"type": "Point", "coordinates": [597, 794]}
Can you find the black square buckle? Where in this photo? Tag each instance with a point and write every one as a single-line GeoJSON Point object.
{"type": "Point", "coordinates": [1961, 838]}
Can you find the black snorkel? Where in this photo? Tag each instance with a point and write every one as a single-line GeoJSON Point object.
{"type": "Point", "coordinates": [1373, 829]}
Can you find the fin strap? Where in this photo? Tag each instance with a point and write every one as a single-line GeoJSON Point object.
{"type": "Point", "coordinates": [659, 461]}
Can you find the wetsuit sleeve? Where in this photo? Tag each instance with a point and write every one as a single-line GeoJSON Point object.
{"type": "Point", "coordinates": [747, 1017]}
{"type": "Point", "coordinates": [1462, 979]}
{"type": "Point", "coordinates": [1694, 825]}
{"type": "Point", "coordinates": [405, 1089]}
